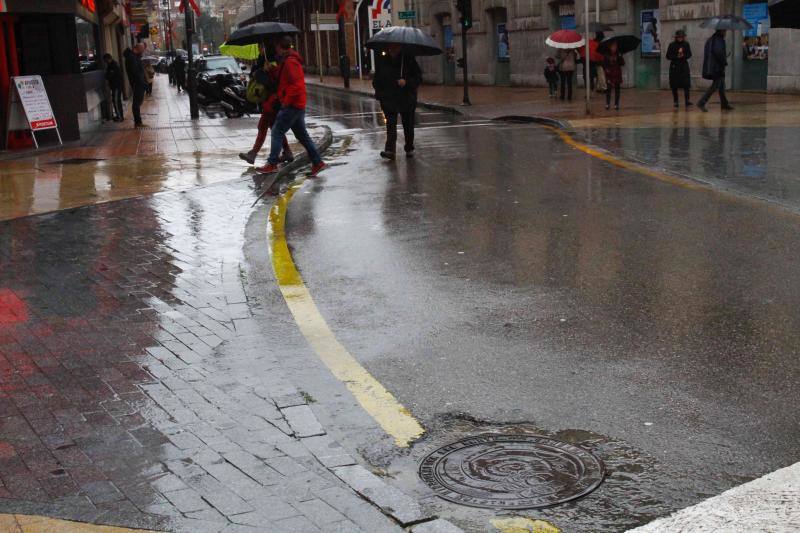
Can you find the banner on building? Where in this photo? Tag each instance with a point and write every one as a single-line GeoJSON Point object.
{"type": "Point", "coordinates": [651, 33]}
{"type": "Point", "coordinates": [381, 11]}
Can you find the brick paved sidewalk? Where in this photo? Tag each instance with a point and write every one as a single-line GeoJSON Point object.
{"type": "Point", "coordinates": [141, 378]}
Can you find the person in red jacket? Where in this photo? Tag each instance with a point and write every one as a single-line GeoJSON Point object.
{"type": "Point", "coordinates": [265, 72]}
{"type": "Point", "coordinates": [292, 116]}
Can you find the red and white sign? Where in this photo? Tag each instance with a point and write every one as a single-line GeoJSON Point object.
{"type": "Point", "coordinates": [35, 103]}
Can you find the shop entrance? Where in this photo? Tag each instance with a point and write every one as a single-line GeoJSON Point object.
{"type": "Point", "coordinates": [501, 50]}
{"type": "Point", "coordinates": [752, 56]}
{"type": "Point", "coordinates": [647, 59]}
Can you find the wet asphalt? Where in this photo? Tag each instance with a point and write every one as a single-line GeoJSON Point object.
{"type": "Point", "coordinates": [503, 281]}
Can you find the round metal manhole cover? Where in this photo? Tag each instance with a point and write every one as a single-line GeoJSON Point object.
{"type": "Point", "coordinates": [511, 471]}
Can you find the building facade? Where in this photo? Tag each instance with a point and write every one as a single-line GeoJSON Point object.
{"type": "Point", "coordinates": [506, 45]}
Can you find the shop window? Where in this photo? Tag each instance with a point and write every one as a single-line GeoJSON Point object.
{"type": "Point", "coordinates": [86, 34]}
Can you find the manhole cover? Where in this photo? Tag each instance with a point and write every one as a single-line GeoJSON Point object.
{"type": "Point", "coordinates": [74, 161]}
{"type": "Point", "coordinates": [511, 471]}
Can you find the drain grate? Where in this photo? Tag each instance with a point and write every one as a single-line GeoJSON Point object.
{"type": "Point", "coordinates": [498, 471]}
{"type": "Point", "coordinates": [74, 161]}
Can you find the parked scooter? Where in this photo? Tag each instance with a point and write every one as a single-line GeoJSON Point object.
{"type": "Point", "coordinates": [226, 90]}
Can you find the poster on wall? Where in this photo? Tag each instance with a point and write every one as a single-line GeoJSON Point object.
{"type": "Point", "coordinates": [381, 14]}
{"type": "Point", "coordinates": [756, 40]}
{"type": "Point", "coordinates": [651, 37]}
{"type": "Point", "coordinates": [503, 49]}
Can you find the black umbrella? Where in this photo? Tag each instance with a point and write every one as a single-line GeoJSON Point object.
{"type": "Point", "coordinates": [595, 27]}
{"type": "Point", "coordinates": [625, 44]}
{"type": "Point", "coordinates": [726, 22]}
{"type": "Point", "coordinates": [413, 40]}
{"type": "Point", "coordinates": [784, 14]}
{"type": "Point", "coordinates": [256, 33]}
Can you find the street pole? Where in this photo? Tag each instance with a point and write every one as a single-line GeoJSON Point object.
{"type": "Point", "coordinates": [194, 112]}
{"type": "Point", "coordinates": [319, 47]}
{"type": "Point", "coordinates": [359, 61]}
{"type": "Point", "coordinates": [586, 60]}
{"type": "Point", "coordinates": [169, 27]}
{"type": "Point", "coordinates": [465, 101]}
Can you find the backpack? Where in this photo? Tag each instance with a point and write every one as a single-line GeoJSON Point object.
{"type": "Point", "coordinates": [256, 92]}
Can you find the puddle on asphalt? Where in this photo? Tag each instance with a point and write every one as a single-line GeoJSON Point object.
{"type": "Point", "coordinates": [636, 489]}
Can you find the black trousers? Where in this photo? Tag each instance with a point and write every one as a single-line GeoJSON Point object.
{"type": "Point", "coordinates": [136, 105]}
{"type": "Point", "coordinates": [608, 94]}
{"type": "Point", "coordinates": [407, 118]}
{"type": "Point", "coordinates": [566, 83]}
{"type": "Point", "coordinates": [717, 85]}
{"type": "Point", "coordinates": [116, 102]}
{"type": "Point", "coordinates": [675, 94]}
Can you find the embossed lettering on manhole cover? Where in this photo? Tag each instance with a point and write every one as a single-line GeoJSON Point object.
{"type": "Point", "coordinates": [511, 471]}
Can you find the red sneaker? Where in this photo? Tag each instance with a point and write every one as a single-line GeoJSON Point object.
{"type": "Point", "coordinates": [269, 168]}
{"type": "Point", "coordinates": [316, 169]}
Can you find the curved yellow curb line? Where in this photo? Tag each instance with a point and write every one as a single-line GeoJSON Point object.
{"type": "Point", "coordinates": [20, 523]}
{"type": "Point", "coordinates": [395, 419]}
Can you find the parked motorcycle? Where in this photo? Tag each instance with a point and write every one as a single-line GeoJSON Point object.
{"type": "Point", "coordinates": [226, 90]}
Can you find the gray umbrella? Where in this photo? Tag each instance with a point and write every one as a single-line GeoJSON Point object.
{"type": "Point", "coordinates": [413, 40]}
{"type": "Point", "coordinates": [726, 22]}
{"type": "Point", "coordinates": [256, 33]}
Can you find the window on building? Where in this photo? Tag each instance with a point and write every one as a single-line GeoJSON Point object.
{"type": "Point", "coordinates": [86, 34]}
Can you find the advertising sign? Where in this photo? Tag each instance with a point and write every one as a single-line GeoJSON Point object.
{"type": "Point", "coordinates": [35, 103]}
{"type": "Point", "coordinates": [381, 14]}
{"type": "Point", "coordinates": [651, 37]}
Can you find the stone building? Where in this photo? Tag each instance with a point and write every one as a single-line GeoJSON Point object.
{"type": "Point", "coordinates": [506, 46]}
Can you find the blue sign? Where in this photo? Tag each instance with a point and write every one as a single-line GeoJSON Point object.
{"type": "Point", "coordinates": [757, 15]}
{"type": "Point", "coordinates": [568, 22]}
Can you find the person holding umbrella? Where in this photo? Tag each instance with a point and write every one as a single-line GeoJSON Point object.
{"type": "Point", "coordinates": [715, 59]}
{"type": "Point", "coordinates": [397, 77]}
{"type": "Point", "coordinates": [680, 76]}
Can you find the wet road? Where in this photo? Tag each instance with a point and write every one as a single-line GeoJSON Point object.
{"type": "Point", "coordinates": [501, 277]}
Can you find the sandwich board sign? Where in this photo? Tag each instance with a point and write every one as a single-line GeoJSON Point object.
{"type": "Point", "coordinates": [29, 107]}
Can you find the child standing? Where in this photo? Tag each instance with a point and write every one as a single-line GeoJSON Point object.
{"type": "Point", "coordinates": [551, 75]}
{"type": "Point", "coordinates": [612, 67]}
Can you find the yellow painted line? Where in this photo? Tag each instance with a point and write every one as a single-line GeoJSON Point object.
{"type": "Point", "coordinates": [520, 524]}
{"type": "Point", "coordinates": [395, 419]}
{"type": "Point", "coordinates": [20, 523]}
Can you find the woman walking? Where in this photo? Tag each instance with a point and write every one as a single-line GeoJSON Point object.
{"type": "Point", "coordinates": [680, 75]}
{"type": "Point", "coordinates": [612, 68]}
{"type": "Point", "coordinates": [397, 77]}
{"type": "Point", "coordinates": [566, 69]}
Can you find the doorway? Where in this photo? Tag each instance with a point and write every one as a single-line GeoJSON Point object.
{"type": "Point", "coordinates": [752, 48]}
{"type": "Point", "coordinates": [448, 45]}
{"type": "Point", "coordinates": [500, 46]}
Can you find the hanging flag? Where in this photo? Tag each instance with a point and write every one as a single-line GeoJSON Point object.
{"type": "Point", "coordinates": [381, 7]}
{"type": "Point", "coordinates": [342, 13]}
{"type": "Point", "coordinates": [191, 3]}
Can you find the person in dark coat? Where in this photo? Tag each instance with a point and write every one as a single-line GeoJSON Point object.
{"type": "Point", "coordinates": [551, 75]}
{"type": "Point", "coordinates": [397, 78]}
{"type": "Point", "coordinates": [680, 75]}
{"type": "Point", "coordinates": [612, 68]}
{"type": "Point", "coordinates": [135, 70]}
{"type": "Point", "coordinates": [179, 66]}
{"type": "Point", "coordinates": [715, 59]}
{"type": "Point", "coordinates": [114, 79]}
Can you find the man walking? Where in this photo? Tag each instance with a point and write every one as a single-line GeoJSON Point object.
{"type": "Point", "coordinates": [714, 62]}
{"type": "Point", "coordinates": [179, 74]}
{"type": "Point", "coordinates": [135, 70]}
{"type": "Point", "coordinates": [397, 77]}
{"type": "Point", "coordinates": [114, 79]}
{"type": "Point", "coordinates": [292, 116]}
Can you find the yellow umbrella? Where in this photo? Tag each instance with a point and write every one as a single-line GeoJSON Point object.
{"type": "Point", "coordinates": [248, 51]}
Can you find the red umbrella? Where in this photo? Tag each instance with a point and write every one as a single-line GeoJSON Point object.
{"type": "Point", "coordinates": [565, 39]}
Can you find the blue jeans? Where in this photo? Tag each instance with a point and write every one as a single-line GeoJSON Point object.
{"type": "Point", "coordinates": [291, 118]}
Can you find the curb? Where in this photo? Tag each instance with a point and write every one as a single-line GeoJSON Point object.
{"type": "Point", "coordinates": [534, 119]}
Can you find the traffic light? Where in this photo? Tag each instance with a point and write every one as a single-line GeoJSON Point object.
{"type": "Point", "coordinates": [465, 8]}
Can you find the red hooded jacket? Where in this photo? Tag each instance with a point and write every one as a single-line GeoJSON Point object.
{"type": "Point", "coordinates": [292, 81]}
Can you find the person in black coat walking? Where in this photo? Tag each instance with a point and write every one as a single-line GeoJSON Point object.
{"type": "Point", "coordinates": [680, 75]}
{"type": "Point", "coordinates": [179, 73]}
{"type": "Point", "coordinates": [114, 79]}
{"type": "Point", "coordinates": [715, 59]}
{"type": "Point", "coordinates": [135, 70]}
{"type": "Point", "coordinates": [397, 78]}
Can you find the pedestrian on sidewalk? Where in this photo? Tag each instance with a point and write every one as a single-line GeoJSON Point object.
{"type": "Point", "coordinates": [292, 115]}
{"type": "Point", "coordinates": [715, 59]}
{"type": "Point", "coordinates": [680, 75]}
{"type": "Point", "coordinates": [397, 78]}
{"type": "Point", "coordinates": [265, 74]}
{"type": "Point", "coordinates": [612, 68]}
{"type": "Point", "coordinates": [114, 79]}
{"type": "Point", "coordinates": [551, 75]}
{"type": "Point", "coordinates": [149, 76]}
{"type": "Point", "coordinates": [566, 70]}
{"type": "Point", "coordinates": [135, 71]}
{"type": "Point", "coordinates": [180, 73]}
